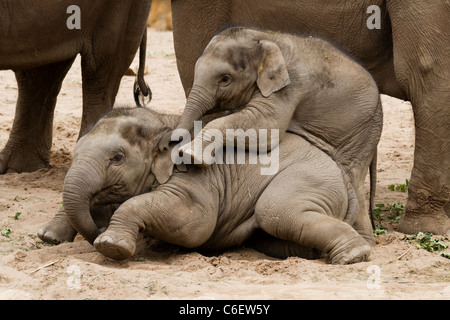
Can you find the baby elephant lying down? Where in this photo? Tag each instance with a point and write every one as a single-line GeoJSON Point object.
{"type": "Point", "coordinates": [307, 203]}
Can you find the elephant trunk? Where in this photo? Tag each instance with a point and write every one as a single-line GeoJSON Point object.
{"type": "Point", "coordinates": [198, 103]}
{"type": "Point", "coordinates": [81, 183]}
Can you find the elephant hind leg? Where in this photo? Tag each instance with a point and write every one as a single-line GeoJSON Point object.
{"type": "Point", "coordinates": [101, 81]}
{"type": "Point", "coordinates": [281, 249]}
{"type": "Point", "coordinates": [422, 68]}
{"type": "Point", "coordinates": [302, 218]}
{"type": "Point", "coordinates": [335, 238]}
{"type": "Point", "coordinates": [28, 147]}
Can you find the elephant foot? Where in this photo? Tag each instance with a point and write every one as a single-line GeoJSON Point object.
{"type": "Point", "coordinates": [16, 161]}
{"type": "Point", "coordinates": [112, 247]}
{"type": "Point", "coordinates": [55, 234]}
{"type": "Point", "coordinates": [436, 223]}
{"type": "Point", "coordinates": [428, 206]}
{"type": "Point", "coordinates": [58, 230]}
{"type": "Point", "coordinates": [355, 255]}
{"type": "Point", "coordinates": [353, 252]}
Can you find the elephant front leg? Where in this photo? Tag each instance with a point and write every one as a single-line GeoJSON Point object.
{"type": "Point", "coordinates": [58, 230]}
{"type": "Point", "coordinates": [161, 214]}
{"type": "Point", "coordinates": [28, 147]}
{"type": "Point", "coordinates": [255, 129]}
{"type": "Point", "coordinates": [205, 149]}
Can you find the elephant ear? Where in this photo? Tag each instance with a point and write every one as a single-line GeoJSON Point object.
{"type": "Point", "coordinates": [162, 166]}
{"type": "Point", "coordinates": [272, 73]}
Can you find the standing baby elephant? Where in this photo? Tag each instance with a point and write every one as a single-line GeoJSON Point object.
{"type": "Point", "coordinates": [303, 85]}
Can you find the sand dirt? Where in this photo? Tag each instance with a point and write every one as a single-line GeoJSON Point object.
{"type": "Point", "coordinates": [31, 269]}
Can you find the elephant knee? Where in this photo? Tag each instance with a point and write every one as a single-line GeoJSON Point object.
{"type": "Point", "coordinates": [265, 213]}
{"type": "Point", "coordinates": [191, 227]}
{"type": "Point", "coordinates": [127, 216]}
{"type": "Point", "coordinates": [176, 220]}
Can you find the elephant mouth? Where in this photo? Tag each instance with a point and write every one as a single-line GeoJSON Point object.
{"type": "Point", "coordinates": [115, 195]}
{"type": "Point", "coordinates": [112, 195]}
{"type": "Point", "coordinates": [221, 112]}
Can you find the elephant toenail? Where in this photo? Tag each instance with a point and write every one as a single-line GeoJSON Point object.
{"type": "Point", "coordinates": [107, 239]}
{"type": "Point", "coordinates": [123, 244]}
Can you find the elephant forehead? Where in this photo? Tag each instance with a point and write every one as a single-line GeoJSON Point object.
{"type": "Point", "coordinates": [96, 147]}
{"type": "Point", "coordinates": [135, 133]}
{"type": "Point", "coordinates": [104, 125]}
{"type": "Point", "coordinates": [108, 130]}
{"type": "Point", "coordinates": [211, 66]}
{"type": "Point", "coordinates": [236, 52]}
{"type": "Point", "coordinates": [133, 126]}
{"type": "Point", "coordinates": [140, 136]}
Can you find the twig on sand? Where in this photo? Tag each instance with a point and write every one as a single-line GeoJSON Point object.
{"type": "Point", "coordinates": [403, 254]}
{"type": "Point", "coordinates": [44, 266]}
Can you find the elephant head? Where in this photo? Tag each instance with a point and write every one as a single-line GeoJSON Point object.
{"type": "Point", "coordinates": [235, 65]}
{"type": "Point", "coordinates": [116, 160]}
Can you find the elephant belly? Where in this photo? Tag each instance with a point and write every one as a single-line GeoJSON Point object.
{"type": "Point", "coordinates": [228, 234]}
{"type": "Point", "coordinates": [35, 33]}
{"type": "Point", "coordinates": [40, 57]}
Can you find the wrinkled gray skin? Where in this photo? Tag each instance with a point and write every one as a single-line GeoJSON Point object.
{"type": "Point", "coordinates": [280, 81]}
{"type": "Point", "coordinates": [307, 204]}
{"type": "Point", "coordinates": [111, 164]}
{"type": "Point", "coordinates": [407, 64]}
{"type": "Point", "coordinates": [292, 83]}
{"type": "Point", "coordinates": [37, 45]}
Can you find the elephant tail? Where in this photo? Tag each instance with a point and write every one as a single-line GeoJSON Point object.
{"type": "Point", "coordinates": [353, 203]}
{"type": "Point", "coordinates": [373, 187]}
{"type": "Point", "coordinates": [141, 88]}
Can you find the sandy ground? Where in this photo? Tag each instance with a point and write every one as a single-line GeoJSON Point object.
{"type": "Point", "coordinates": [31, 269]}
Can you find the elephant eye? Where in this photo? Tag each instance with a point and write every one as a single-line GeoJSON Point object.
{"type": "Point", "coordinates": [224, 80]}
{"type": "Point", "coordinates": [116, 158]}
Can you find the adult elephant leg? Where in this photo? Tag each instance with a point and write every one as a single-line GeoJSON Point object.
{"type": "Point", "coordinates": [100, 87]}
{"type": "Point", "coordinates": [422, 67]}
{"type": "Point", "coordinates": [194, 25]}
{"type": "Point", "coordinates": [101, 81]}
{"type": "Point", "coordinates": [28, 147]}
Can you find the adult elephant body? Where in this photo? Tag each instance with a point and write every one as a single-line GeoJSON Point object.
{"type": "Point", "coordinates": [39, 43]}
{"type": "Point", "coordinates": [406, 64]}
